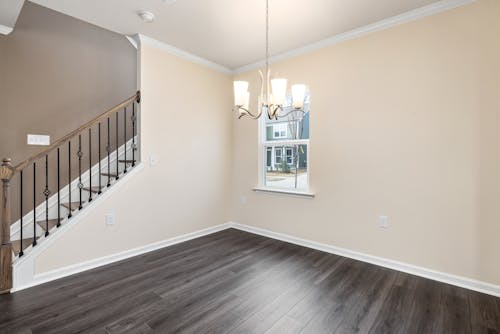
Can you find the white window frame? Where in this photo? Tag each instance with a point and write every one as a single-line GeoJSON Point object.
{"type": "Point", "coordinates": [282, 129]}
{"type": "Point", "coordinates": [289, 156]}
{"type": "Point", "coordinates": [263, 144]}
{"type": "Point", "coordinates": [276, 156]}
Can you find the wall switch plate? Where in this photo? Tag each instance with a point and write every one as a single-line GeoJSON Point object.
{"type": "Point", "coordinates": [153, 160]}
{"type": "Point", "coordinates": [383, 222]}
{"type": "Point", "coordinates": [109, 219]}
{"type": "Point", "coordinates": [40, 140]}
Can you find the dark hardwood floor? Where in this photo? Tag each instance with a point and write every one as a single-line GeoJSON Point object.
{"type": "Point", "coordinates": [236, 282]}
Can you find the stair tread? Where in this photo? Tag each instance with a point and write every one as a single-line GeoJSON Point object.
{"type": "Point", "coordinates": [52, 223]}
{"type": "Point", "coordinates": [16, 245]}
{"type": "Point", "coordinates": [71, 206]}
{"type": "Point", "coordinates": [95, 189]}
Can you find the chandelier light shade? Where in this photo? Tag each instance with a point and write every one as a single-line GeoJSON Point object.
{"type": "Point", "coordinates": [241, 94]}
{"type": "Point", "coordinates": [279, 91]}
{"type": "Point", "coordinates": [298, 96]}
{"type": "Point", "coordinates": [273, 92]}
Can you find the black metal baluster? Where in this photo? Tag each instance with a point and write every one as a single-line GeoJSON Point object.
{"type": "Point", "coordinates": [21, 253]}
{"type": "Point", "coordinates": [69, 178]}
{"type": "Point", "coordinates": [125, 138]}
{"type": "Point", "coordinates": [34, 204]}
{"type": "Point", "coordinates": [90, 164]}
{"type": "Point", "coordinates": [58, 188]}
{"type": "Point", "coordinates": [117, 151]}
{"type": "Point", "coordinates": [133, 134]}
{"type": "Point", "coordinates": [108, 148]}
{"type": "Point", "coordinates": [99, 139]}
{"type": "Point", "coordinates": [46, 192]}
{"type": "Point", "coordinates": [80, 155]}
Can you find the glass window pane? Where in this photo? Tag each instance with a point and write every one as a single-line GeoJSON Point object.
{"type": "Point", "coordinates": [290, 172]}
{"type": "Point", "coordinates": [292, 124]}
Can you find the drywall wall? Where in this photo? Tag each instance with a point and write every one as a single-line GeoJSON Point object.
{"type": "Point", "coordinates": [186, 126]}
{"type": "Point", "coordinates": [56, 74]}
{"type": "Point", "coordinates": [404, 123]}
{"type": "Point", "coordinates": [59, 72]}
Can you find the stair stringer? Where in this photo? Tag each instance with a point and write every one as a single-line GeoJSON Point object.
{"type": "Point", "coordinates": [64, 193]}
{"type": "Point", "coordinates": [24, 267]}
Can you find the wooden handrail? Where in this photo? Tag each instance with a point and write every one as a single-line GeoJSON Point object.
{"type": "Point", "coordinates": [59, 142]}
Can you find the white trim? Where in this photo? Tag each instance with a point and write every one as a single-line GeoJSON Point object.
{"type": "Point", "coordinates": [409, 16]}
{"type": "Point", "coordinates": [4, 30]}
{"type": "Point", "coordinates": [184, 54]}
{"type": "Point", "coordinates": [132, 41]}
{"type": "Point", "coordinates": [64, 193]}
{"type": "Point", "coordinates": [459, 281]}
{"type": "Point", "coordinates": [78, 215]}
{"type": "Point", "coordinates": [23, 268]}
{"type": "Point", "coordinates": [282, 191]}
{"type": "Point", "coordinates": [102, 261]}
{"type": "Point", "coordinates": [274, 143]}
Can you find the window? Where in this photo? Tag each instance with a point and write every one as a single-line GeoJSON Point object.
{"type": "Point", "coordinates": [285, 147]}
{"type": "Point", "coordinates": [277, 154]}
{"type": "Point", "coordinates": [280, 130]}
{"type": "Point", "coordinates": [289, 156]}
{"type": "Point", "coordinates": [269, 156]}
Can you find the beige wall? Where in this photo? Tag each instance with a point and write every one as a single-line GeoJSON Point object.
{"type": "Point", "coordinates": [186, 124]}
{"type": "Point", "coordinates": [404, 123]}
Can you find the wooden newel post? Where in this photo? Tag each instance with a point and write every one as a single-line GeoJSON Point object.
{"type": "Point", "coordinates": [6, 172]}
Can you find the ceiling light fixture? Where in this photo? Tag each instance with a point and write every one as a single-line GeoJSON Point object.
{"type": "Point", "coordinates": [272, 103]}
{"type": "Point", "coordinates": [146, 16]}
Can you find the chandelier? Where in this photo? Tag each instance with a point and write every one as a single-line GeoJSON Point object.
{"type": "Point", "coordinates": [270, 101]}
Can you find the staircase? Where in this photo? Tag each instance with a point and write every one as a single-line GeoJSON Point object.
{"type": "Point", "coordinates": [44, 192]}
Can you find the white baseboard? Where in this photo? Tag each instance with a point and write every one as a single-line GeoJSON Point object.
{"type": "Point", "coordinates": [459, 281]}
{"type": "Point", "coordinates": [102, 261]}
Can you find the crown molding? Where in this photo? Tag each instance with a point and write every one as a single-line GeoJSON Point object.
{"type": "Point", "coordinates": [413, 15]}
{"type": "Point", "coordinates": [4, 30]}
{"type": "Point", "coordinates": [184, 54]}
{"type": "Point", "coordinates": [132, 41]}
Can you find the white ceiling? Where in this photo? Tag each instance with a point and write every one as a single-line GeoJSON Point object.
{"type": "Point", "coordinates": [232, 32]}
{"type": "Point", "coordinates": [9, 11]}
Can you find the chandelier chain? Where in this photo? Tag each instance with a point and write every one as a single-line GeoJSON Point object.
{"type": "Point", "coordinates": [267, 47]}
{"type": "Point", "coordinates": [273, 104]}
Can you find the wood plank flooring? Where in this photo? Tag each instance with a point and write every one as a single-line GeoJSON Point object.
{"type": "Point", "coordinates": [236, 282]}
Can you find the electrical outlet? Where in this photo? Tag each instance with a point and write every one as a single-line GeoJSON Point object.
{"type": "Point", "coordinates": [109, 219]}
{"type": "Point", "coordinates": [383, 222]}
{"type": "Point", "coordinates": [39, 140]}
{"type": "Point", "coordinates": [243, 200]}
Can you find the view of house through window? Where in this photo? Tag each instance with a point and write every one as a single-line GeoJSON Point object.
{"type": "Point", "coordinates": [285, 147]}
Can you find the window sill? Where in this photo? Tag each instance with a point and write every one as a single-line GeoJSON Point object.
{"type": "Point", "coordinates": [295, 193]}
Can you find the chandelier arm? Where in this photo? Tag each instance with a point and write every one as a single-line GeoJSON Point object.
{"type": "Point", "coordinates": [290, 112]}
{"type": "Point", "coordinates": [246, 112]}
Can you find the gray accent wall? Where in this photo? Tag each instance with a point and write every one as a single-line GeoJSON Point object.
{"type": "Point", "coordinates": [58, 72]}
